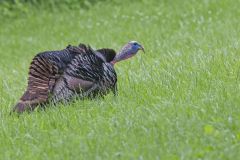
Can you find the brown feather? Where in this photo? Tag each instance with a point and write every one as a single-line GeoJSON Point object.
{"type": "Point", "coordinates": [42, 77]}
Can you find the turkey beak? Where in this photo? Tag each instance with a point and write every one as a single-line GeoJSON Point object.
{"type": "Point", "coordinates": [142, 48]}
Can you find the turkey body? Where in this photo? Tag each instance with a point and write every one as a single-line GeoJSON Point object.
{"type": "Point", "coordinates": [59, 75]}
{"type": "Point", "coordinates": [89, 74]}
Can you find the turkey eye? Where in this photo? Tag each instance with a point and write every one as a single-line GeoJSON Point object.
{"type": "Point", "coordinates": [135, 44]}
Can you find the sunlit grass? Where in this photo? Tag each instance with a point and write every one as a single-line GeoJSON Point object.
{"type": "Point", "coordinates": [180, 100]}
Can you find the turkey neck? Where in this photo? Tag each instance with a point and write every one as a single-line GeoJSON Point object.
{"type": "Point", "coordinates": [122, 55]}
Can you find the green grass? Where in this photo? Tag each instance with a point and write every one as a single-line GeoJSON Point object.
{"type": "Point", "coordinates": [180, 100]}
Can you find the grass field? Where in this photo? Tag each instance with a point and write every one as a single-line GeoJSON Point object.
{"type": "Point", "coordinates": [179, 101]}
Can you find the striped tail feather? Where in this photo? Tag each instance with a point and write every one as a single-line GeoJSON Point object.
{"type": "Point", "coordinates": [42, 76]}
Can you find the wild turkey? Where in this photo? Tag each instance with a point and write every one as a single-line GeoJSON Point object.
{"type": "Point", "coordinates": [59, 75]}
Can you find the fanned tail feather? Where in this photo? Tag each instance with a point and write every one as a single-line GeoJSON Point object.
{"type": "Point", "coordinates": [42, 75]}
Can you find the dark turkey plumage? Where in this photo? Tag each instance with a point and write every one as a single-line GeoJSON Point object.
{"type": "Point", "coordinates": [88, 75]}
{"type": "Point", "coordinates": [59, 75]}
{"type": "Point", "coordinates": [48, 79]}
